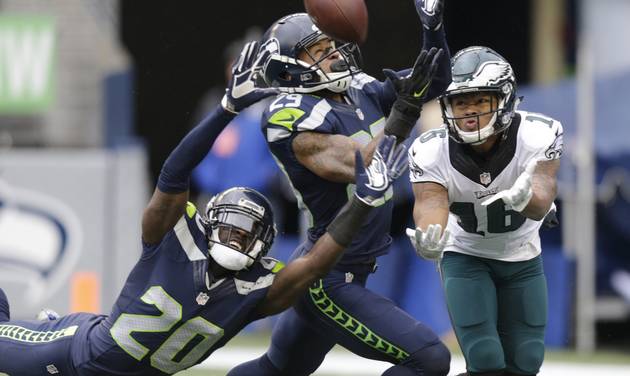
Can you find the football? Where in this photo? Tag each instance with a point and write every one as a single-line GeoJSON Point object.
{"type": "Point", "coordinates": [346, 20]}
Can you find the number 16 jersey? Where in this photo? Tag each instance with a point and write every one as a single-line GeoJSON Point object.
{"type": "Point", "coordinates": [494, 231]}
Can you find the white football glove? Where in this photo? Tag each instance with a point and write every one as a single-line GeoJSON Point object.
{"type": "Point", "coordinates": [429, 244]}
{"type": "Point", "coordinates": [242, 91]}
{"type": "Point", "coordinates": [521, 192]}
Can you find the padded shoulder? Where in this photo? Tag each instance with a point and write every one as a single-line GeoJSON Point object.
{"type": "Point", "coordinates": [430, 147]}
{"type": "Point", "coordinates": [272, 264]}
{"type": "Point", "coordinates": [540, 134]}
{"type": "Point", "coordinates": [291, 113]}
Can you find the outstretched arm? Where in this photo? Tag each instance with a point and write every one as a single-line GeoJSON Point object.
{"type": "Point", "coordinates": [372, 183]}
{"type": "Point", "coordinates": [431, 14]}
{"type": "Point", "coordinates": [169, 198]}
{"type": "Point", "coordinates": [171, 194]}
{"type": "Point", "coordinates": [533, 191]}
{"type": "Point", "coordinates": [544, 190]}
{"type": "Point", "coordinates": [430, 214]}
{"type": "Point", "coordinates": [332, 156]}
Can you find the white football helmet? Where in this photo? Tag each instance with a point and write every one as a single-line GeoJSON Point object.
{"type": "Point", "coordinates": [480, 69]}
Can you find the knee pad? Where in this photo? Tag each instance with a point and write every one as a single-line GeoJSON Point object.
{"type": "Point", "coordinates": [529, 357]}
{"type": "Point", "coordinates": [485, 355]}
{"type": "Point", "coordinates": [434, 360]}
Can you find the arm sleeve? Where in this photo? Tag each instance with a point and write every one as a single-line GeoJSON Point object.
{"type": "Point", "coordinates": [443, 75]}
{"type": "Point", "coordinates": [175, 174]}
{"type": "Point", "coordinates": [424, 162]}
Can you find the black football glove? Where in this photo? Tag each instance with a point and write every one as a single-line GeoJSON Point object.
{"type": "Point", "coordinates": [411, 91]}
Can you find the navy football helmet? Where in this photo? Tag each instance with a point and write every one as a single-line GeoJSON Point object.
{"type": "Point", "coordinates": [289, 36]}
{"type": "Point", "coordinates": [480, 69]}
{"type": "Point", "coordinates": [239, 227]}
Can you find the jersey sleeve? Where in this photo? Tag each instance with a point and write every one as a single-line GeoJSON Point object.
{"type": "Point", "coordinates": [425, 157]}
{"type": "Point", "coordinates": [290, 114]}
{"type": "Point", "coordinates": [542, 137]}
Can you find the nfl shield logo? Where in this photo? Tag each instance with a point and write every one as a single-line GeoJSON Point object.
{"type": "Point", "coordinates": [485, 178]}
{"type": "Point", "coordinates": [202, 298]}
{"type": "Point", "coordinates": [349, 277]}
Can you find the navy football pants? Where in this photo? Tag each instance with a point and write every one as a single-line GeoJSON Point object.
{"type": "Point", "coordinates": [35, 348]}
{"type": "Point", "coordinates": [339, 309]}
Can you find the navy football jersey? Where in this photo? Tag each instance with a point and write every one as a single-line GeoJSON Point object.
{"type": "Point", "coordinates": [171, 314]}
{"type": "Point", "coordinates": [361, 117]}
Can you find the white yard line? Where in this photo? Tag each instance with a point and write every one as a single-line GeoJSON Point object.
{"type": "Point", "coordinates": [344, 363]}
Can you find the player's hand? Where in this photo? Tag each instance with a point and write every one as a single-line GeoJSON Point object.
{"type": "Point", "coordinates": [429, 244]}
{"type": "Point", "coordinates": [388, 163]}
{"type": "Point", "coordinates": [430, 13]}
{"type": "Point", "coordinates": [411, 89]}
{"type": "Point", "coordinates": [521, 192]}
{"type": "Point", "coordinates": [241, 91]}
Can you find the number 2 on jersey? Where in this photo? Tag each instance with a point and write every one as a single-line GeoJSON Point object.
{"type": "Point", "coordinates": [289, 100]}
{"type": "Point", "coordinates": [500, 220]}
{"type": "Point", "coordinates": [168, 357]}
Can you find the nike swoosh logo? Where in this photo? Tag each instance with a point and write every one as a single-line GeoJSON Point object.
{"type": "Point", "coordinates": [421, 92]}
{"type": "Point", "coordinates": [290, 119]}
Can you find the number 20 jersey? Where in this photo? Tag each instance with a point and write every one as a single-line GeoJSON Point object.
{"type": "Point", "coordinates": [492, 231]}
{"type": "Point", "coordinates": [170, 315]}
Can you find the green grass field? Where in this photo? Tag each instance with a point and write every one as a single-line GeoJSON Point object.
{"type": "Point", "coordinates": [261, 341]}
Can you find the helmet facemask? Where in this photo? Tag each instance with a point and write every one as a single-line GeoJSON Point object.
{"type": "Point", "coordinates": [499, 122]}
{"type": "Point", "coordinates": [341, 71]}
{"type": "Point", "coordinates": [237, 235]}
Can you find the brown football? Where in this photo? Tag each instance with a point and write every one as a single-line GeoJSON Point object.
{"type": "Point", "coordinates": [346, 20]}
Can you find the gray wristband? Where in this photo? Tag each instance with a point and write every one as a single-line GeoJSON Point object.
{"type": "Point", "coordinates": [401, 120]}
{"type": "Point", "coordinates": [348, 221]}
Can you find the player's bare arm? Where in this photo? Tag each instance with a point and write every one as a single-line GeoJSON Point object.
{"type": "Point", "coordinates": [372, 183]}
{"type": "Point", "coordinates": [294, 279]}
{"type": "Point", "coordinates": [431, 204]}
{"type": "Point", "coordinates": [330, 156]}
{"type": "Point", "coordinates": [430, 214]}
{"type": "Point", "coordinates": [544, 189]}
{"type": "Point", "coordinates": [161, 214]}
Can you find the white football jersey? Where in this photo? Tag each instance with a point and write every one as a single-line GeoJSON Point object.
{"type": "Point", "coordinates": [491, 231]}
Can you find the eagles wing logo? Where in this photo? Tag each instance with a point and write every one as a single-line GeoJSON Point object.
{"type": "Point", "coordinates": [554, 151]}
{"type": "Point", "coordinates": [40, 242]}
{"type": "Point", "coordinates": [496, 70]}
{"type": "Point", "coordinates": [416, 171]}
